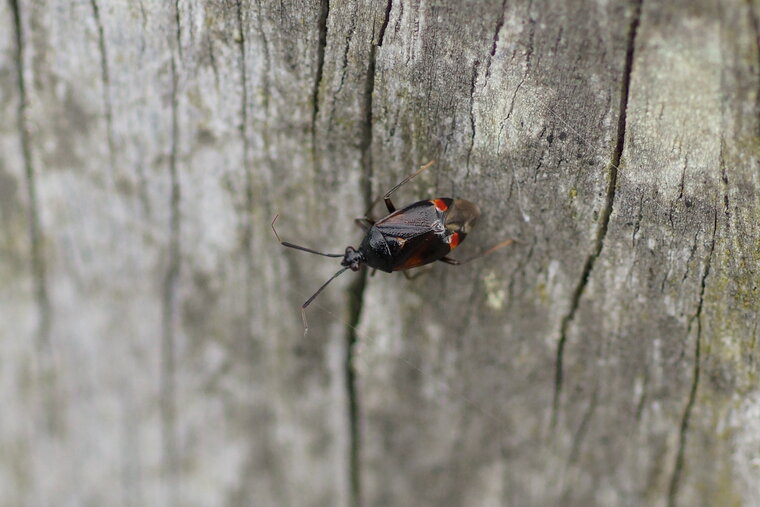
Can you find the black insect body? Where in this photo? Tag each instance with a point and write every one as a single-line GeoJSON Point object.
{"type": "Point", "coordinates": [418, 234]}
{"type": "Point", "coordinates": [413, 236]}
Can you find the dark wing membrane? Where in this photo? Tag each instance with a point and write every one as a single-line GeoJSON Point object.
{"type": "Point", "coordinates": [409, 222]}
{"type": "Point", "coordinates": [419, 250]}
{"type": "Point", "coordinates": [413, 235]}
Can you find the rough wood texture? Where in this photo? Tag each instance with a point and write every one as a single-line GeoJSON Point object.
{"type": "Point", "coordinates": [151, 351]}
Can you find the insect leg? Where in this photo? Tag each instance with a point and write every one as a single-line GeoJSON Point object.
{"type": "Point", "coordinates": [297, 247]}
{"type": "Point", "coordinates": [313, 296]}
{"type": "Point", "coordinates": [364, 223]}
{"type": "Point", "coordinates": [387, 197]}
{"type": "Point", "coordinates": [454, 262]}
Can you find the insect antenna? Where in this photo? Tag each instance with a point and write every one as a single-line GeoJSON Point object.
{"type": "Point", "coordinates": [406, 180]}
{"type": "Point", "coordinates": [313, 297]}
{"type": "Point", "coordinates": [298, 247]}
{"type": "Point", "coordinates": [403, 182]}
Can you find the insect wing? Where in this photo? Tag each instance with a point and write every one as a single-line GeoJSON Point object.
{"type": "Point", "coordinates": [409, 222]}
{"type": "Point", "coordinates": [421, 250]}
{"type": "Point", "coordinates": [414, 235]}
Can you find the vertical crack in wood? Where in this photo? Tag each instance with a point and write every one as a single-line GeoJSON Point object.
{"type": "Point", "coordinates": [495, 38]}
{"type": "Point", "coordinates": [355, 303]}
{"type": "Point", "coordinates": [723, 172]}
{"type": "Point", "coordinates": [724, 180]}
{"type": "Point", "coordinates": [637, 223]}
{"type": "Point", "coordinates": [169, 294]}
{"type": "Point", "coordinates": [346, 47]}
{"type": "Point", "coordinates": [105, 79]}
{"type": "Point", "coordinates": [473, 81]}
{"type": "Point", "coordinates": [214, 68]}
{"type": "Point", "coordinates": [356, 290]}
{"type": "Point", "coordinates": [386, 20]}
{"type": "Point", "coordinates": [675, 478]}
{"type": "Point", "coordinates": [324, 12]}
{"type": "Point", "coordinates": [499, 24]}
{"type": "Point", "coordinates": [178, 27]}
{"type": "Point", "coordinates": [38, 264]}
{"type": "Point", "coordinates": [604, 216]}
{"type": "Point", "coordinates": [683, 177]}
{"type": "Point", "coordinates": [528, 59]}
{"type": "Point", "coordinates": [692, 251]}
{"type": "Point", "coordinates": [39, 269]}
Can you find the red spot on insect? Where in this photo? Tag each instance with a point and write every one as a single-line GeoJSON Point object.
{"type": "Point", "coordinates": [440, 204]}
{"type": "Point", "coordinates": [412, 262]}
{"type": "Point", "coordinates": [454, 240]}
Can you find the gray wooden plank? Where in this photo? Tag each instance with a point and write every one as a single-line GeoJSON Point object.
{"type": "Point", "coordinates": [152, 350]}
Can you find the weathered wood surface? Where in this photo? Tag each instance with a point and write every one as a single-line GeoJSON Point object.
{"type": "Point", "coordinates": [151, 351]}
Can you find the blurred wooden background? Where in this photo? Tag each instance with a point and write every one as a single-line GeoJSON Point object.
{"type": "Point", "coordinates": [151, 348]}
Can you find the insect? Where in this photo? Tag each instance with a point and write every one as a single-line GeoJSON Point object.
{"type": "Point", "coordinates": [415, 235]}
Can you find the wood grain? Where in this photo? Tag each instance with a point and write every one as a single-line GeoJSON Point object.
{"type": "Point", "coordinates": [151, 348]}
